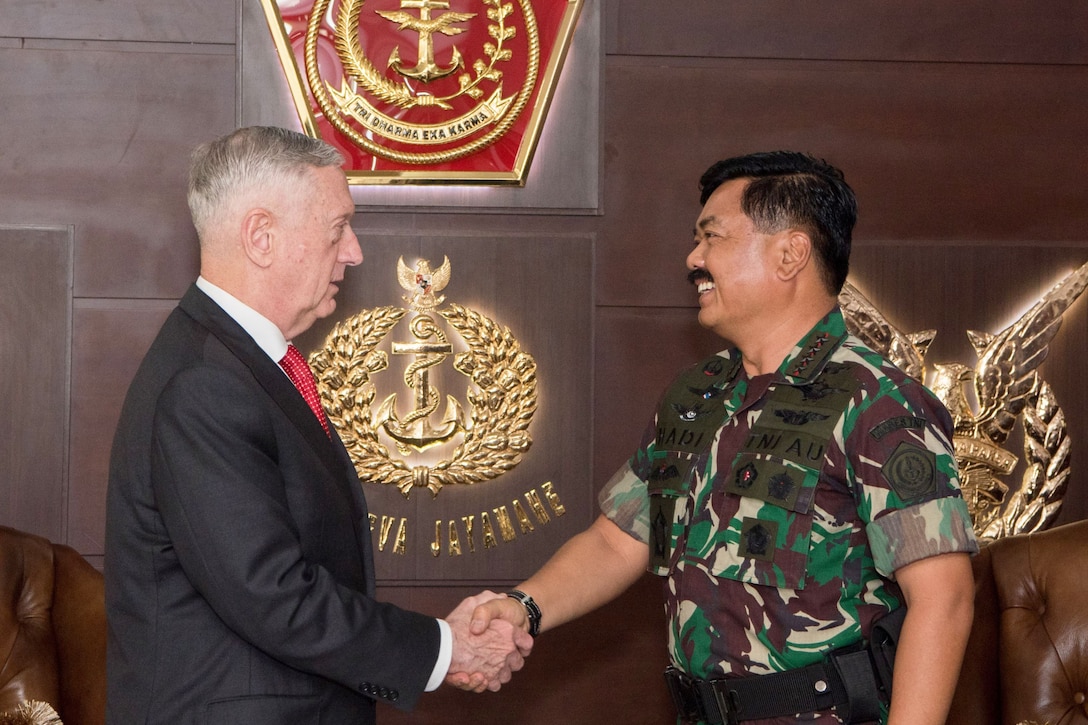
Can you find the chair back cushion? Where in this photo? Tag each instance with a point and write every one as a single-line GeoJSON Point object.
{"type": "Point", "coordinates": [28, 653]}
{"type": "Point", "coordinates": [1042, 592]}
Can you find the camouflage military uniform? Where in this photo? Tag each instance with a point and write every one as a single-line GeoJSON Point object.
{"type": "Point", "coordinates": [821, 480]}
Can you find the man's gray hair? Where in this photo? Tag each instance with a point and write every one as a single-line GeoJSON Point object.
{"type": "Point", "coordinates": [255, 157]}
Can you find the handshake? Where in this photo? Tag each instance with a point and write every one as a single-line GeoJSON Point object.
{"type": "Point", "coordinates": [490, 641]}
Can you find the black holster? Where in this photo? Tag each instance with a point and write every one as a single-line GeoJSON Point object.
{"type": "Point", "coordinates": [883, 641]}
{"type": "Point", "coordinates": [866, 670]}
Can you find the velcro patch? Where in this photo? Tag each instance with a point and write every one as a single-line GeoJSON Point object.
{"type": "Point", "coordinates": [669, 473]}
{"type": "Point", "coordinates": [662, 512]}
{"type": "Point", "coordinates": [758, 539]}
{"type": "Point", "coordinates": [897, 423]}
{"type": "Point", "coordinates": [911, 471]}
{"type": "Point", "coordinates": [776, 482]}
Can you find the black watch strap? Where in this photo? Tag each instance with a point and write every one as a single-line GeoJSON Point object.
{"type": "Point", "coordinates": [531, 608]}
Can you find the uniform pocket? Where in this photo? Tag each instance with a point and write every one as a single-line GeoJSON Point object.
{"type": "Point", "coordinates": [766, 510]}
{"type": "Point", "coordinates": [670, 480]}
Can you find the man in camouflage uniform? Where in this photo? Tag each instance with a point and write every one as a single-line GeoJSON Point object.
{"type": "Point", "coordinates": [793, 491]}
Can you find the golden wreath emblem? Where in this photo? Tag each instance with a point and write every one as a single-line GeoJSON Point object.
{"type": "Point", "coordinates": [502, 390]}
{"type": "Point", "coordinates": [987, 401]}
{"type": "Point", "coordinates": [353, 108]}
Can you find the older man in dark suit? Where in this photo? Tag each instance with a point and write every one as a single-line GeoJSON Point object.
{"type": "Point", "coordinates": [239, 573]}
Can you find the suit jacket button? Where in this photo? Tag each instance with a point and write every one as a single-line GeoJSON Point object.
{"type": "Point", "coordinates": [394, 696]}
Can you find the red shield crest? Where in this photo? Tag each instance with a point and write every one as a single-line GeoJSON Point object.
{"type": "Point", "coordinates": [424, 91]}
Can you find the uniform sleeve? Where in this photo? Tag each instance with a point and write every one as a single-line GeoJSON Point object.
{"type": "Point", "coordinates": [901, 454]}
{"type": "Point", "coordinates": [941, 526]}
{"type": "Point", "coordinates": [625, 499]}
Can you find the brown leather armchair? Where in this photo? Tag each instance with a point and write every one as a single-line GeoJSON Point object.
{"type": "Point", "coordinates": [1027, 657]}
{"type": "Point", "coordinates": [52, 629]}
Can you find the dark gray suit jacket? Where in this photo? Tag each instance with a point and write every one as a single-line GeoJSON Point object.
{"type": "Point", "coordinates": [239, 572]}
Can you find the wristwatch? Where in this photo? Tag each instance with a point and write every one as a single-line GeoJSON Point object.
{"type": "Point", "coordinates": [531, 608]}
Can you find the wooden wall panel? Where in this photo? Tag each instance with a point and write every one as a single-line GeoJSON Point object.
{"type": "Point", "coordinates": [605, 667]}
{"type": "Point", "coordinates": [640, 350]}
{"type": "Point", "coordinates": [99, 136]}
{"type": "Point", "coordinates": [968, 153]}
{"type": "Point", "coordinates": [109, 341]}
{"type": "Point", "coordinates": [975, 31]}
{"type": "Point", "coordinates": [35, 326]}
{"type": "Point", "coordinates": [191, 21]}
{"type": "Point", "coordinates": [537, 287]}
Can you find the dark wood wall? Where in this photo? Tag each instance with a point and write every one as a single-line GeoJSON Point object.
{"type": "Point", "coordinates": [961, 126]}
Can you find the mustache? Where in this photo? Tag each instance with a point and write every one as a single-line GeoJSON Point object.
{"type": "Point", "coordinates": [696, 276]}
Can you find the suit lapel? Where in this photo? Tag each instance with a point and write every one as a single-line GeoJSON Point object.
{"type": "Point", "coordinates": [282, 391]}
{"type": "Point", "coordinates": [268, 374]}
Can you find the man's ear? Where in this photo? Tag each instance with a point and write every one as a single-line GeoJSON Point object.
{"type": "Point", "coordinates": [258, 236]}
{"type": "Point", "coordinates": [796, 253]}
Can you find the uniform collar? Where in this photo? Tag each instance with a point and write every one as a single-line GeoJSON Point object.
{"type": "Point", "coordinates": [809, 356]}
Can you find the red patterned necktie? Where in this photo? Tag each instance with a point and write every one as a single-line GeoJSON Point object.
{"type": "Point", "coordinates": [299, 371]}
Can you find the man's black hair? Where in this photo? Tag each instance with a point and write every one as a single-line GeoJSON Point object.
{"type": "Point", "coordinates": [791, 189]}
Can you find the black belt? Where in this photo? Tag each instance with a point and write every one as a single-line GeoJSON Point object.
{"type": "Point", "coordinates": [855, 679]}
{"type": "Point", "coordinates": [847, 679]}
{"type": "Point", "coordinates": [726, 701]}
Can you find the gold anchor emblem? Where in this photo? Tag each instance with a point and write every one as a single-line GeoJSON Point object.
{"type": "Point", "coordinates": [416, 431]}
{"type": "Point", "coordinates": [501, 394]}
{"type": "Point", "coordinates": [426, 69]}
{"type": "Point", "coordinates": [367, 97]}
{"type": "Point", "coordinates": [431, 348]}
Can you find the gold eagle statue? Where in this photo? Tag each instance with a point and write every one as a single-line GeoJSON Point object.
{"type": "Point", "coordinates": [422, 283]}
{"type": "Point", "coordinates": [1006, 386]}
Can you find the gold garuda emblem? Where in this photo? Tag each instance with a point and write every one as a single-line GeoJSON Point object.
{"type": "Point", "coordinates": [987, 402]}
{"type": "Point", "coordinates": [424, 90]}
{"type": "Point", "coordinates": [500, 381]}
